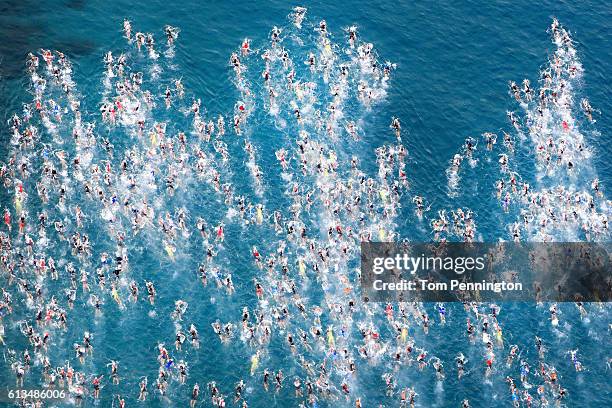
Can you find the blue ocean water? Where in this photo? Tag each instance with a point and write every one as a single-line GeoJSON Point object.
{"type": "Point", "coordinates": [454, 61]}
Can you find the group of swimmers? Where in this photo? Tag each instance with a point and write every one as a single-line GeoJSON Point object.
{"type": "Point", "coordinates": [65, 177]}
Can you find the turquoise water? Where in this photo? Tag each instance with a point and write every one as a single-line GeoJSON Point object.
{"type": "Point", "coordinates": [454, 61]}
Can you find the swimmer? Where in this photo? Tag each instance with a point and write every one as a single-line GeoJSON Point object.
{"type": "Point", "coordinates": [195, 394]}
{"type": "Point", "coordinates": [150, 291]}
{"type": "Point", "coordinates": [512, 355]}
{"type": "Point", "coordinates": [133, 291]}
{"type": "Point", "coordinates": [437, 365]}
{"type": "Point", "coordinates": [456, 162]}
{"type": "Point", "coordinates": [396, 126]}
{"type": "Point", "coordinates": [460, 360]}
{"type": "Point", "coordinates": [311, 62]}
{"type": "Point", "coordinates": [246, 46]}
{"type": "Point", "coordinates": [577, 364]}
{"type": "Point", "coordinates": [553, 315]}
{"type": "Point", "coordinates": [514, 121]}
{"type": "Point", "coordinates": [195, 338]}
{"type": "Point", "coordinates": [514, 89]}
{"type": "Point", "coordinates": [490, 139]}
{"type": "Point", "coordinates": [255, 363]}
{"type": "Point", "coordinates": [442, 312]}
{"type": "Point", "coordinates": [352, 30]}
{"type": "Point", "coordinates": [142, 395]}
{"type": "Point", "coordinates": [171, 34]}
{"type": "Point", "coordinates": [96, 386]}
{"type": "Point", "coordinates": [7, 218]}
{"type": "Point", "coordinates": [220, 232]}
{"type": "Point", "coordinates": [114, 371]}
{"type": "Point", "coordinates": [266, 376]}
{"type": "Point", "coordinates": [587, 109]}
{"type": "Point", "coordinates": [127, 29]}
{"type": "Point", "coordinates": [298, 16]}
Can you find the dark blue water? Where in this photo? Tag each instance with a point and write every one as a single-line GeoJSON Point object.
{"type": "Point", "coordinates": [454, 61]}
